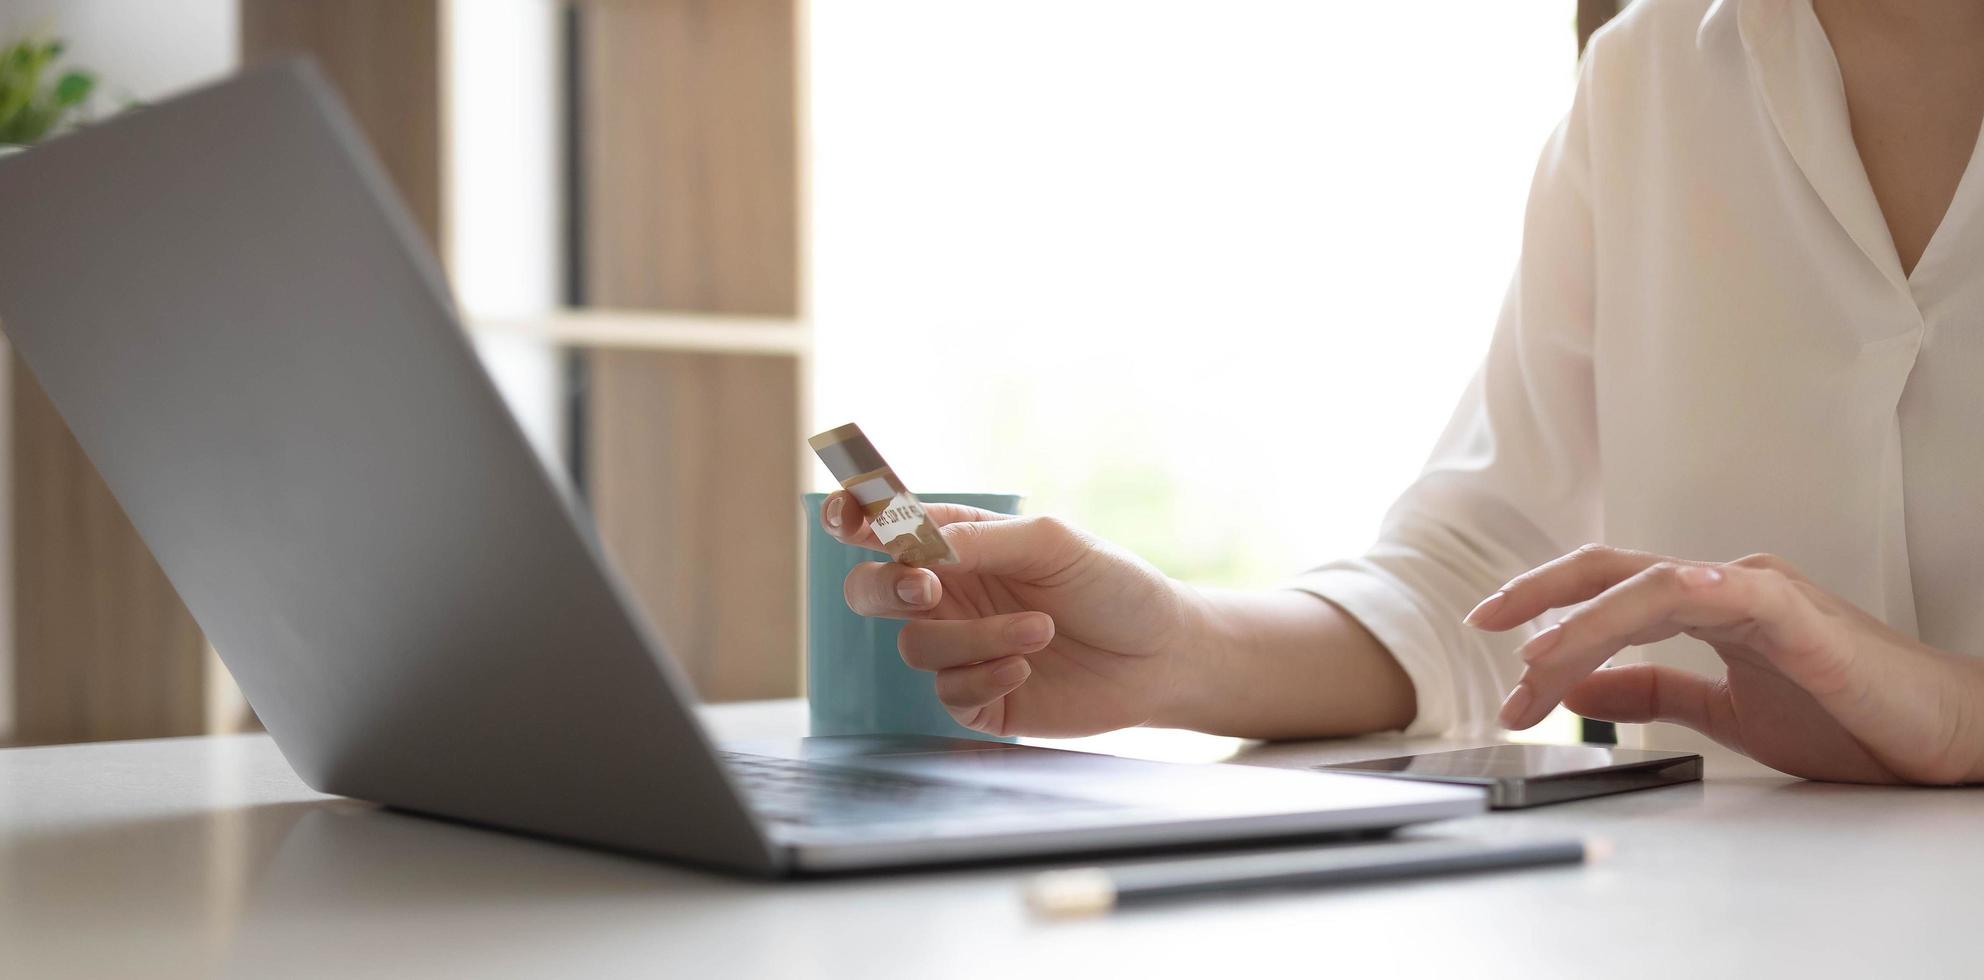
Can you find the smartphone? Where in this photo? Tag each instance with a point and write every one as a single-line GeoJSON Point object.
{"type": "Point", "coordinates": [1517, 776]}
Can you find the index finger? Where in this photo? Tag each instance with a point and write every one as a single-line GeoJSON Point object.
{"type": "Point", "coordinates": [1564, 581]}
{"type": "Point", "coordinates": [853, 525]}
{"type": "Point", "coordinates": [1666, 599]}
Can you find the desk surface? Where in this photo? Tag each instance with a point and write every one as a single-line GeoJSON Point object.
{"type": "Point", "coordinates": [205, 856]}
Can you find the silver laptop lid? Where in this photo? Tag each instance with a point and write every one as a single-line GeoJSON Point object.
{"type": "Point", "coordinates": [234, 313]}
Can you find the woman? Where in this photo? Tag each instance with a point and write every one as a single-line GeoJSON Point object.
{"type": "Point", "coordinates": [1748, 319]}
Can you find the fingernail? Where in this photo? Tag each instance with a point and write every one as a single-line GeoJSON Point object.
{"type": "Point", "coordinates": [916, 591]}
{"type": "Point", "coordinates": [1485, 609]}
{"type": "Point", "coordinates": [1031, 632]}
{"type": "Point", "coordinates": [1516, 706]}
{"type": "Point", "coordinates": [1700, 576]}
{"type": "Point", "coordinates": [834, 505]}
{"type": "Point", "coordinates": [1013, 671]}
{"type": "Point", "coordinates": [1542, 643]}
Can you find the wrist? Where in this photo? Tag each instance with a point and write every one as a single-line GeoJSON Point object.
{"type": "Point", "coordinates": [1201, 636]}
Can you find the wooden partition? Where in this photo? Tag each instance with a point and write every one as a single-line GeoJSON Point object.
{"type": "Point", "coordinates": [686, 142]}
{"type": "Point", "coordinates": [689, 136]}
{"type": "Point", "coordinates": [384, 56]}
{"type": "Point", "coordinates": [103, 648]}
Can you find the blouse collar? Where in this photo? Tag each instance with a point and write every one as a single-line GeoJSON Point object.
{"type": "Point", "coordinates": [1799, 78]}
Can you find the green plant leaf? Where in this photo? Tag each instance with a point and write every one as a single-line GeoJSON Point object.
{"type": "Point", "coordinates": [30, 111]}
{"type": "Point", "coordinates": [10, 123]}
{"type": "Point", "coordinates": [73, 88]}
{"type": "Point", "coordinates": [29, 125]}
{"type": "Point", "coordinates": [23, 77]}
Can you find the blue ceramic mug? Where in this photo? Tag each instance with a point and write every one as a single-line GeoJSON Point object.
{"type": "Point", "coordinates": [856, 682]}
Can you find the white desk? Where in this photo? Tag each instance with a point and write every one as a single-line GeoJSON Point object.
{"type": "Point", "coordinates": [206, 856]}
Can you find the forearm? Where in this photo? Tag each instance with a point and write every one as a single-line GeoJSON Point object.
{"type": "Point", "coordinates": [1285, 664]}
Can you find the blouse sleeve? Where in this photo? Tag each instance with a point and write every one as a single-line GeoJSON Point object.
{"type": "Point", "coordinates": [1512, 482]}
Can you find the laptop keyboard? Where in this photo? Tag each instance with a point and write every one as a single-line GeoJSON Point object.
{"type": "Point", "coordinates": [794, 791]}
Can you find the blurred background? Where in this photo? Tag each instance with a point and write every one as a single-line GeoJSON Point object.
{"type": "Point", "coordinates": [1204, 277]}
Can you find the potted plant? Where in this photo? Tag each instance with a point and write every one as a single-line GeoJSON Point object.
{"type": "Point", "coordinates": [32, 106]}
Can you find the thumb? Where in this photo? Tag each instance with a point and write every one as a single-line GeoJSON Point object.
{"type": "Point", "coordinates": [1025, 547]}
{"type": "Point", "coordinates": [1637, 693]}
{"type": "Point", "coordinates": [958, 513]}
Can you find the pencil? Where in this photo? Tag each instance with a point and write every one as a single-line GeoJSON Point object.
{"type": "Point", "coordinates": [1093, 891]}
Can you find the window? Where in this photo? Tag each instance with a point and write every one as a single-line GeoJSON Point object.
{"type": "Point", "coordinates": [1206, 278]}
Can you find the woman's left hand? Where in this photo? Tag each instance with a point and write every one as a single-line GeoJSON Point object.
{"type": "Point", "coordinates": [1815, 687]}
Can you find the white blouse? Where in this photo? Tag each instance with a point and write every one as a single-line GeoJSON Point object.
{"type": "Point", "coordinates": [1709, 349]}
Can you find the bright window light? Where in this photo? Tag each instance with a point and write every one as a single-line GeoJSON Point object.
{"type": "Point", "coordinates": [1206, 278]}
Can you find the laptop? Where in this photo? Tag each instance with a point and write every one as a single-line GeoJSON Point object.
{"type": "Point", "coordinates": [242, 326]}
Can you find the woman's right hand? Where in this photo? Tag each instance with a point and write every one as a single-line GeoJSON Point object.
{"type": "Point", "coordinates": [1039, 629]}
